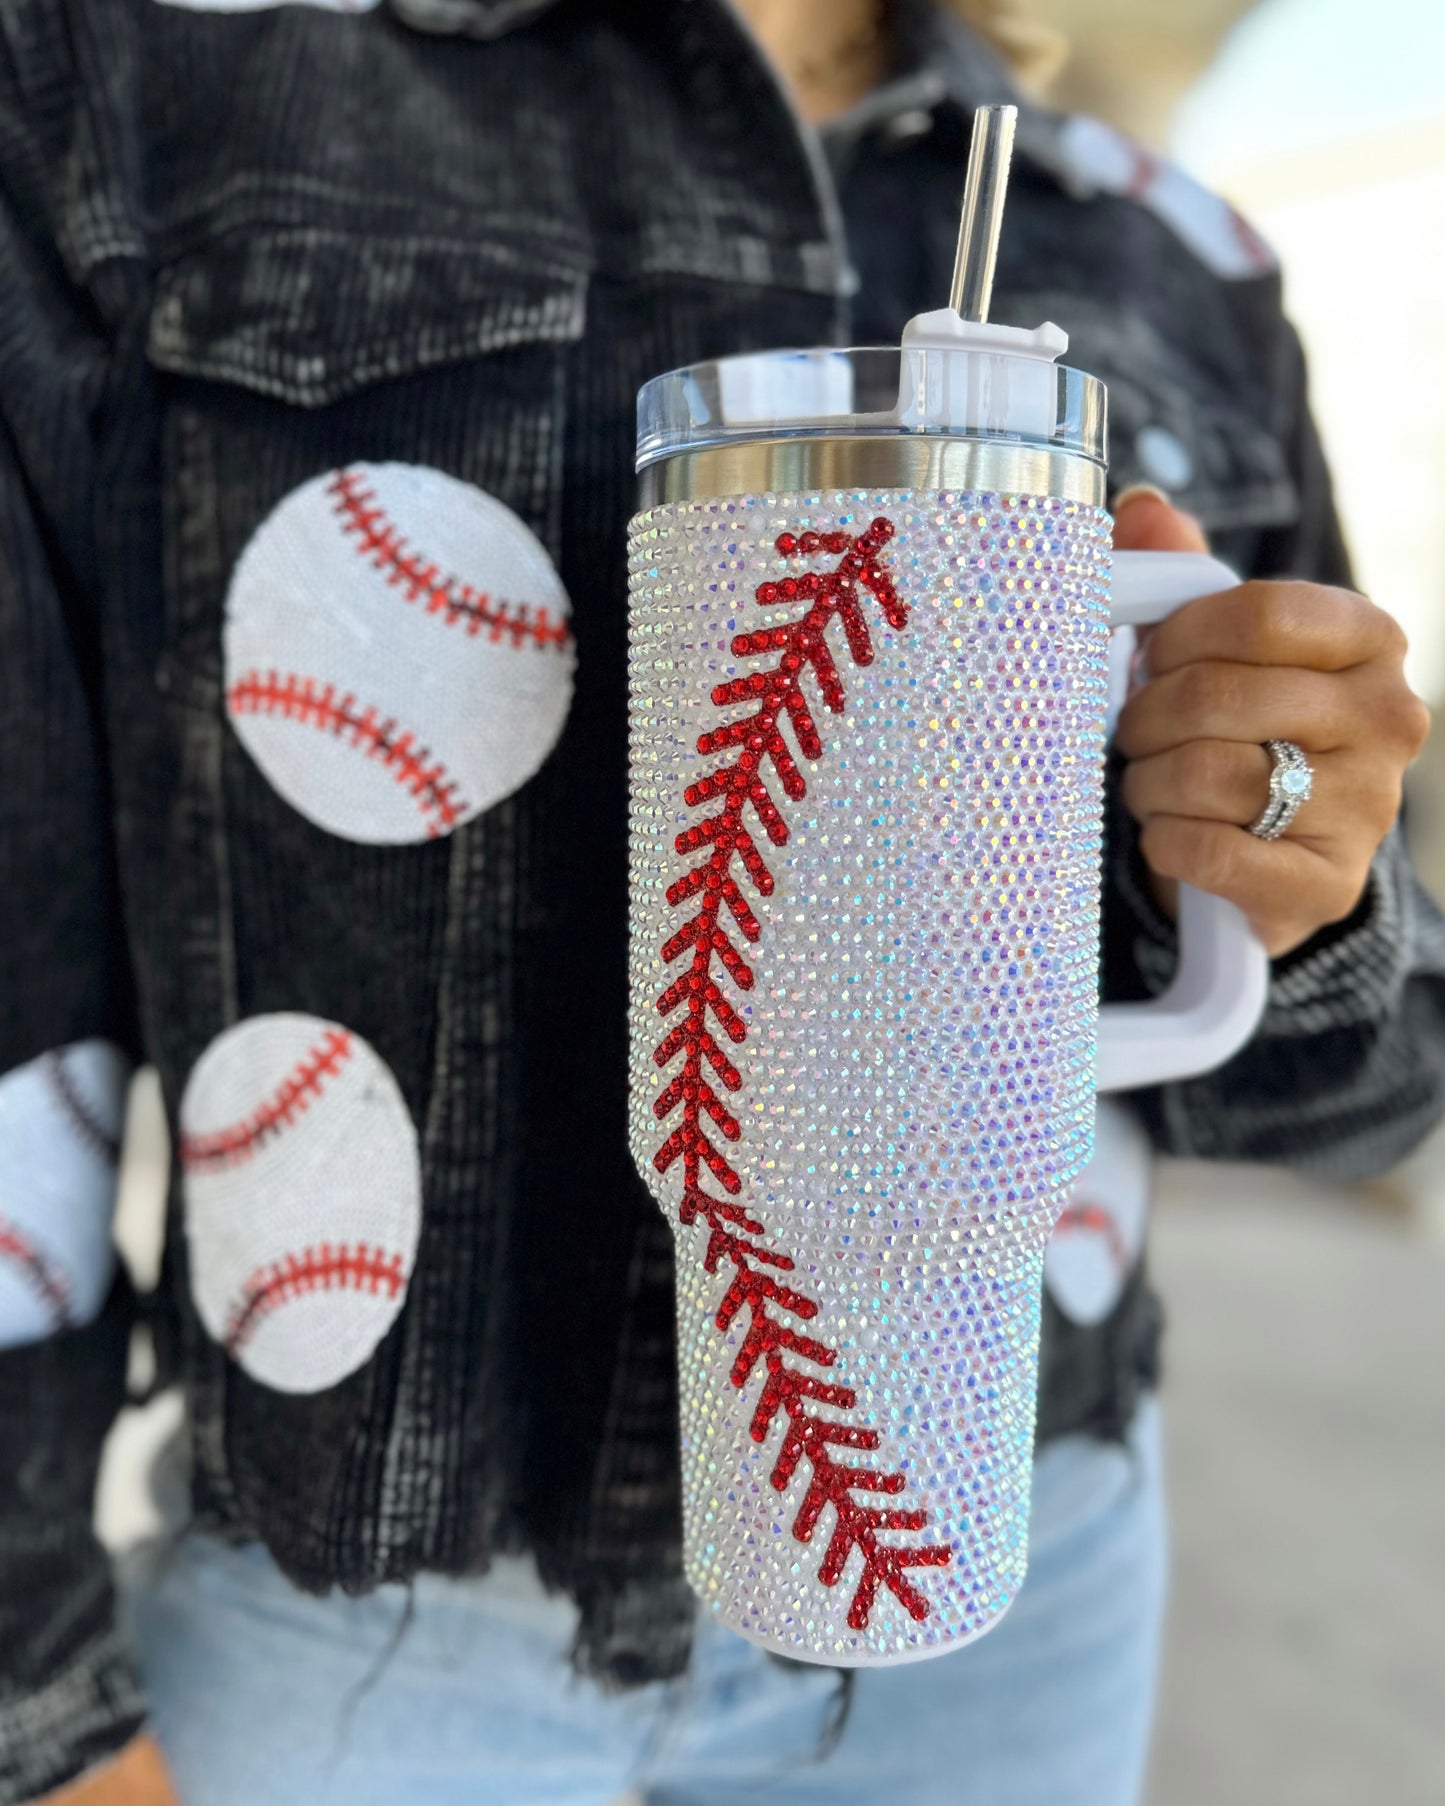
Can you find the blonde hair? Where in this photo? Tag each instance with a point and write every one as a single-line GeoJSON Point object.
{"type": "Point", "coordinates": [1034, 51]}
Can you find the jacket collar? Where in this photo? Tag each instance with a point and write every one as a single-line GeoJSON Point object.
{"type": "Point", "coordinates": [939, 62]}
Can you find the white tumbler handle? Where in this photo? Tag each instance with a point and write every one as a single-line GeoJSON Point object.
{"type": "Point", "coordinates": [1218, 993]}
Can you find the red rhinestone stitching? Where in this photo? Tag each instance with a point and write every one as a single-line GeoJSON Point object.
{"type": "Point", "coordinates": [236, 1144]}
{"type": "Point", "coordinates": [735, 1234]}
{"type": "Point", "coordinates": [363, 517]}
{"type": "Point", "coordinates": [323, 1268]}
{"type": "Point", "coordinates": [314, 704]}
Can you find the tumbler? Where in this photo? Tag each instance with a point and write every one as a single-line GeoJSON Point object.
{"type": "Point", "coordinates": [871, 601]}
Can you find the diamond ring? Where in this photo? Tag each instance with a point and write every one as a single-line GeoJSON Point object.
{"type": "Point", "coordinates": [1290, 784]}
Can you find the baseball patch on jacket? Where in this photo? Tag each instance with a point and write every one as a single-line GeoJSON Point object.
{"type": "Point", "coordinates": [302, 1198]}
{"type": "Point", "coordinates": [1101, 157]}
{"type": "Point", "coordinates": [61, 1119]}
{"type": "Point", "coordinates": [1099, 1237]}
{"type": "Point", "coordinates": [398, 652]}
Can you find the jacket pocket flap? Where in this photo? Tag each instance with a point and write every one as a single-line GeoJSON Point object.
{"type": "Point", "coordinates": [310, 316]}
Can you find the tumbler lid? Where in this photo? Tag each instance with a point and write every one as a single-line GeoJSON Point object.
{"type": "Point", "coordinates": [983, 382]}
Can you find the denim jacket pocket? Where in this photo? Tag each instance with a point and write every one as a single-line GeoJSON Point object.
{"type": "Point", "coordinates": [308, 315]}
{"type": "Point", "coordinates": [1173, 423]}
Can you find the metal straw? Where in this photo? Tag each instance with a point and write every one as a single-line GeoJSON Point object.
{"type": "Point", "coordinates": [984, 188]}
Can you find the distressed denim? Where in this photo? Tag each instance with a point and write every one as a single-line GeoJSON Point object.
{"type": "Point", "coordinates": [460, 1692]}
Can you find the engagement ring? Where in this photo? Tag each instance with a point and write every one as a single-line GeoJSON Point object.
{"type": "Point", "coordinates": [1290, 784]}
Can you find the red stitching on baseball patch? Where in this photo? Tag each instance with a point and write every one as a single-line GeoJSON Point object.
{"type": "Point", "coordinates": [788, 1388]}
{"type": "Point", "coordinates": [1094, 1217]}
{"type": "Point", "coordinates": [314, 704]}
{"type": "Point", "coordinates": [87, 1125]}
{"type": "Point", "coordinates": [323, 1268]}
{"type": "Point", "coordinates": [231, 1146]}
{"type": "Point", "coordinates": [420, 581]}
{"type": "Point", "coordinates": [48, 1285]}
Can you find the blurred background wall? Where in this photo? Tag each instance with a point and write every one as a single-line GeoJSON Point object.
{"type": "Point", "coordinates": [1133, 61]}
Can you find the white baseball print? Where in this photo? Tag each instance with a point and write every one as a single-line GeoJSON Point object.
{"type": "Point", "coordinates": [302, 1198]}
{"type": "Point", "coordinates": [61, 1117]}
{"type": "Point", "coordinates": [398, 652]}
{"type": "Point", "coordinates": [1100, 1234]}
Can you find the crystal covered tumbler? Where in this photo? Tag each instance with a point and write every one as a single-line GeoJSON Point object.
{"type": "Point", "coordinates": [870, 617]}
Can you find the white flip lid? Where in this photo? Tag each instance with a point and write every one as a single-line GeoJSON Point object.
{"type": "Point", "coordinates": [997, 380]}
{"type": "Point", "coordinates": [946, 330]}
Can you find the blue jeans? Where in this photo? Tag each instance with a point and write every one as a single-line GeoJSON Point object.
{"type": "Point", "coordinates": [264, 1695]}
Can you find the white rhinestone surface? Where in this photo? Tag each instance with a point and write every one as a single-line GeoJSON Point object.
{"type": "Point", "coordinates": [917, 1071]}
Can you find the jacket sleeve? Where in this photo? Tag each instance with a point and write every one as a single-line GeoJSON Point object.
{"type": "Point", "coordinates": [68, 1697]}
{"type": "Point", "coordinates": [1346, 1073]}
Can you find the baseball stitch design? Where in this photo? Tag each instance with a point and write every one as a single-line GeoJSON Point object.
{"type": "Point", "coordinates": [788, 1356]}
{"type": "Point", "coordinates": [314, 704]}
{"type": "Point", "coordinates": [87, 1125]}
{"type": "Point", "coordinates": [61, 1117]}
{"type": "Point", "coordinates": [1095, 1218]}
{"type": "Point", "coordinates": [228, 1147]}
{"type": "Point", "coordinates": [397, 650]}
{"type": "Point", "coordinates": [302, 1198]}
{"type": "Point", "coordinates": [324, 1268]}
{"type": "Point", "coordinates": [44, 1280]}
{"type": "Point", "coordinates": [418, 579]}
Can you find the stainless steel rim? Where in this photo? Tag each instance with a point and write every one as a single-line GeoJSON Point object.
{"type": "Point", "coordinates": [887, 461]}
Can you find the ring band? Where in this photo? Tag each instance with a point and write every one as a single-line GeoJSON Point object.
{"type": "Point", "coordinates": [1290, 783]}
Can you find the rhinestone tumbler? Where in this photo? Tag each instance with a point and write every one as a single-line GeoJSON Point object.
{"type": "Point", "coordinates": [870, 631]}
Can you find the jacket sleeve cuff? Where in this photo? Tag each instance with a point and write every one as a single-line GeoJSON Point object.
{"type": "Point", "coordinates": [69, 1699]}
{"type": "Point", "coordinates": [1353, 973]}
{"type": "Point", "coordinates": [83, 1716]}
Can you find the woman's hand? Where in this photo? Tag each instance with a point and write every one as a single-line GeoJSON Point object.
{"type": "Point", "coordinates": [1268, 661]}
{"type": "Point", "coordinates": [137, 1777]}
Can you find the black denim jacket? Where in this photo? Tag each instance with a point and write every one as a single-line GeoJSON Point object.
{"type": "Point", "coordinates": [241, 250]}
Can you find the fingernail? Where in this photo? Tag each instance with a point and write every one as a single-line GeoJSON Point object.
{"type": "Point", "coordinates": [1137, 490]}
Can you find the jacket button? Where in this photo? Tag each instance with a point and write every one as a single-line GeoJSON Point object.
{"type": "Point", "coordinates": [1163, 458]}
{"type": "Point", "coordinates": [916, 122]}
